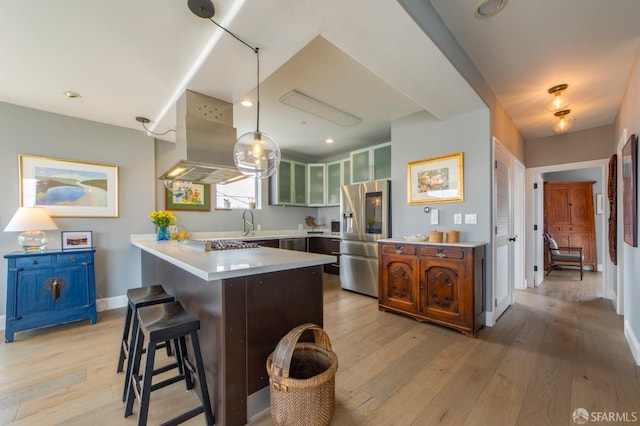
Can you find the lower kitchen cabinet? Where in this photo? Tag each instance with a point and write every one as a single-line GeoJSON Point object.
{"type": "Point", "coordinates": [49, 288]}
{"type": "Point", "coordinates": [330, 246]}
{"type": "Point", "coordinates": [443, 284]}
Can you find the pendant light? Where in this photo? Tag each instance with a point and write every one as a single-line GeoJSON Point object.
{"type": "Point", "coordinates": [177, 187]}
{"type": "Point", "coordinates": [256, 154]}
{"type": "Point", "coordinates": [562, 123]}
{"type": "Point", "coordinates": [559, 99]}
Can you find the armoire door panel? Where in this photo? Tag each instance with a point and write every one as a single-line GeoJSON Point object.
{"type": "Point", "coordinates": [570, 217]}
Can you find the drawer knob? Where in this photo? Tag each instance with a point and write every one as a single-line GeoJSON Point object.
{"type": "Point", "coordinates": [34, 262]}
{"type": "Point", "coordinates": [441, 254]}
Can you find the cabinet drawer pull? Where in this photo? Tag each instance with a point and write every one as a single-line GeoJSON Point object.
{"type": "Point", "coordinates": [34, 262]}
{"type": "Point", "coordinates": [441, 254]}
{"type": "Point", "coordinates": [55, 286]}
{"type": "Point", "coordinates": [55, 290]}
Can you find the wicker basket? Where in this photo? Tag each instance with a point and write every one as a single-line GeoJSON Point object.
{"type": "Point", "coordinates": [302, 379]}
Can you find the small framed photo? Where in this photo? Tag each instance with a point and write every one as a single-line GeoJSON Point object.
{"type": "Point", "coordinates": [77, 240]}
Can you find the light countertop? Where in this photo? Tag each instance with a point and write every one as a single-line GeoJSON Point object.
{"type": "Point", "coordinates": [222, 264]}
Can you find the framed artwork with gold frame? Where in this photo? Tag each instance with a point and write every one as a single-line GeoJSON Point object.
{"type": "Point", "coordinates": [67, 188]}
{"type": "Point", "coordinates": [436, 180]}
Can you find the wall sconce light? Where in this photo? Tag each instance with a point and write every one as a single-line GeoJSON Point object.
{"type": "Point", "coordinates": [562, 123]}
{"type": "Point", "coordinates": [31, 221]}
{"type": "Point", "coordinates": [559, 99]}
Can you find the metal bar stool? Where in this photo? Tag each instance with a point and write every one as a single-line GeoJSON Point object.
{"type": "Point", "coordinates": [160, 323]}
{"type": "Point", "coordinates": [138, 297]}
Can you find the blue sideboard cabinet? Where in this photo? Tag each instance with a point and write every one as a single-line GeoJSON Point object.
{"type": "Point", "coordinates": [48, 288]}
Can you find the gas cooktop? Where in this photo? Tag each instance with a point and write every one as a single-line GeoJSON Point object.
{"type": "Point", "coordinates": [212, 245]}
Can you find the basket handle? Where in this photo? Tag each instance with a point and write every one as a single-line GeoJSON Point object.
{"type": "Point", "coordinates": [284, 351]}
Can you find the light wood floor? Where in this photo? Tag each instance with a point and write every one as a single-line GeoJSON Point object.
{"type": "Point", "coordinates": [556, 349]}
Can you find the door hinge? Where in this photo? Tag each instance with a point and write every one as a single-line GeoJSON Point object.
{"type": "Point", "coordinates": [495, 164]}
{"type": "Point", "coordinates": [535, 268]}
{"type": "Point", "coordinates": [535, 227]}
{"type": "Point", "coordinates": [496, 303]}
{"type": "Point", "coordinates": [496, 229]}
{"type": "Point", "coordinates": [535, 185]}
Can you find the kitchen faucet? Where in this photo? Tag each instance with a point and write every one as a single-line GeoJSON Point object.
{"type": "Point", "coordinates": [247, 225]}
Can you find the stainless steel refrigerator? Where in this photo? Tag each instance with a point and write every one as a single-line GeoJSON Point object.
{"type": "Point", "coordinates": [365, 211]}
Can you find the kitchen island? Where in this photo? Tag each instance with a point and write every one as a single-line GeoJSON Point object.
{"type": "Point", "coordinates": [246, 301]}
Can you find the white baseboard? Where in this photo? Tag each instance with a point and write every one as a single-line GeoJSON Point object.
{"type": "Point", "coordinates": [105, 304]}
{"type": "Point", "coordinates": [632, 340]}
{"type": "Point", "coordinates": [489, 320]}
{"type": "Point", "coordinates": [109, 303]}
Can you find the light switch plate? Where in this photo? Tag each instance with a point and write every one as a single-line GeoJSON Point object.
{"type": "Point", "coordinates": [457, 218]}
{"type": "Point", "coordinates": [471, 218]}
{"type": "Point", "coordinates": [435, 216]}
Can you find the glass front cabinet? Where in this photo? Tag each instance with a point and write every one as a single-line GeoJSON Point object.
{"type": "Point", "coordinates": [316, 181]}
{"type": "Point", "coordinates": [338, 174]}
{"type": "Point", "coordinates": [289, 184]}
{"type": "Point", "coordinates": [371, 163]}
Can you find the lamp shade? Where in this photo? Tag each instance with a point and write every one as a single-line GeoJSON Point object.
{"type": "Point", "coordinates": [31, 221]}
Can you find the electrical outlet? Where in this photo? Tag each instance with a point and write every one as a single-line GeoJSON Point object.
{"type": "Point", "coordinates": [457, 218]}
{"type": "Point", "coordinates": [471, 219]}
{"type": "Point", "coordinates": [435, 216]}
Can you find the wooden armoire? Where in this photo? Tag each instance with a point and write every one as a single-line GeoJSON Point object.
{"type": "Point", "coordinates": [569, 218]}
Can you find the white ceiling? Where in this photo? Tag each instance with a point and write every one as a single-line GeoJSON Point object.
{"type": "Point", "coordinates": [365, 57]}
{"type": "Point", "coordinates": [532, 45]}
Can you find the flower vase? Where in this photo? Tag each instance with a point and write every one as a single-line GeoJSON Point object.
{"type": "Point", "coordinates": [163, 233]}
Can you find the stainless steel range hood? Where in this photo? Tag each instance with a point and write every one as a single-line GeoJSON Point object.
{"type": "Point", "coordinates": [205, 137]}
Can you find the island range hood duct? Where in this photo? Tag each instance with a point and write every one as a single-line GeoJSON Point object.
{"type": "Point", "coordinates": [205, 137]}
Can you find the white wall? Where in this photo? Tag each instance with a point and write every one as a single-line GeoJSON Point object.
{"type": "Point", "coordinates": [628, 120]}
{"type": "Point", "coordinates": [33, 132]}
{"type": "Point", "coordinates": [419, 137]}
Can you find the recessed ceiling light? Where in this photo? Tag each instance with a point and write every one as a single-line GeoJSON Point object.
{"type": "Point", "coordinates": [487, 8]}
{"type": "Point", "coordinates": [329, 140]}
{"type": "Point", "coordinates": [246, 103]}
{"type": "Point", "coordinates": [71, 94]}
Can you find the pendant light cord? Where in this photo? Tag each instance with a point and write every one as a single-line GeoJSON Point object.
{"type": "Point", "coordinates": [255, 50]}
{"type": "Point", "coordinates": [157, 134]}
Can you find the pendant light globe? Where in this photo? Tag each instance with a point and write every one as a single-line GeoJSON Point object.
{"type": "Point", "coordinates": [256, 155]}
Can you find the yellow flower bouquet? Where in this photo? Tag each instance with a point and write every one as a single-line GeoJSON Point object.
{"type": "Point", "coordinates": [162, 219]}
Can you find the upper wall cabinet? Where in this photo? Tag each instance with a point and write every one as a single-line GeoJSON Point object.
{"type": "Point", "coordinates": [371, 163]}
{"type": "Point", "coordinates": [316, 181]}
{"type": "Point", "coordinates": [288, 187]}
{"type": "Point", "coordinates": [338, 174]}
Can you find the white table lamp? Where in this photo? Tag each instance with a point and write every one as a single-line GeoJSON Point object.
{"type": "Point", "coordinates": [31, 222]}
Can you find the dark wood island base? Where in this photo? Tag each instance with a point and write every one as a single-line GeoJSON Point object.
{"type": "Point", "coordinates": [242, 319]}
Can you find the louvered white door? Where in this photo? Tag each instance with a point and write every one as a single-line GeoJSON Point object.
{"type": "Point", "coordinates": [503, 210]}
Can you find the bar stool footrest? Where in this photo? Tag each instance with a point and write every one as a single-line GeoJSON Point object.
{"type": "Point", "coordinates": [167, 382]}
